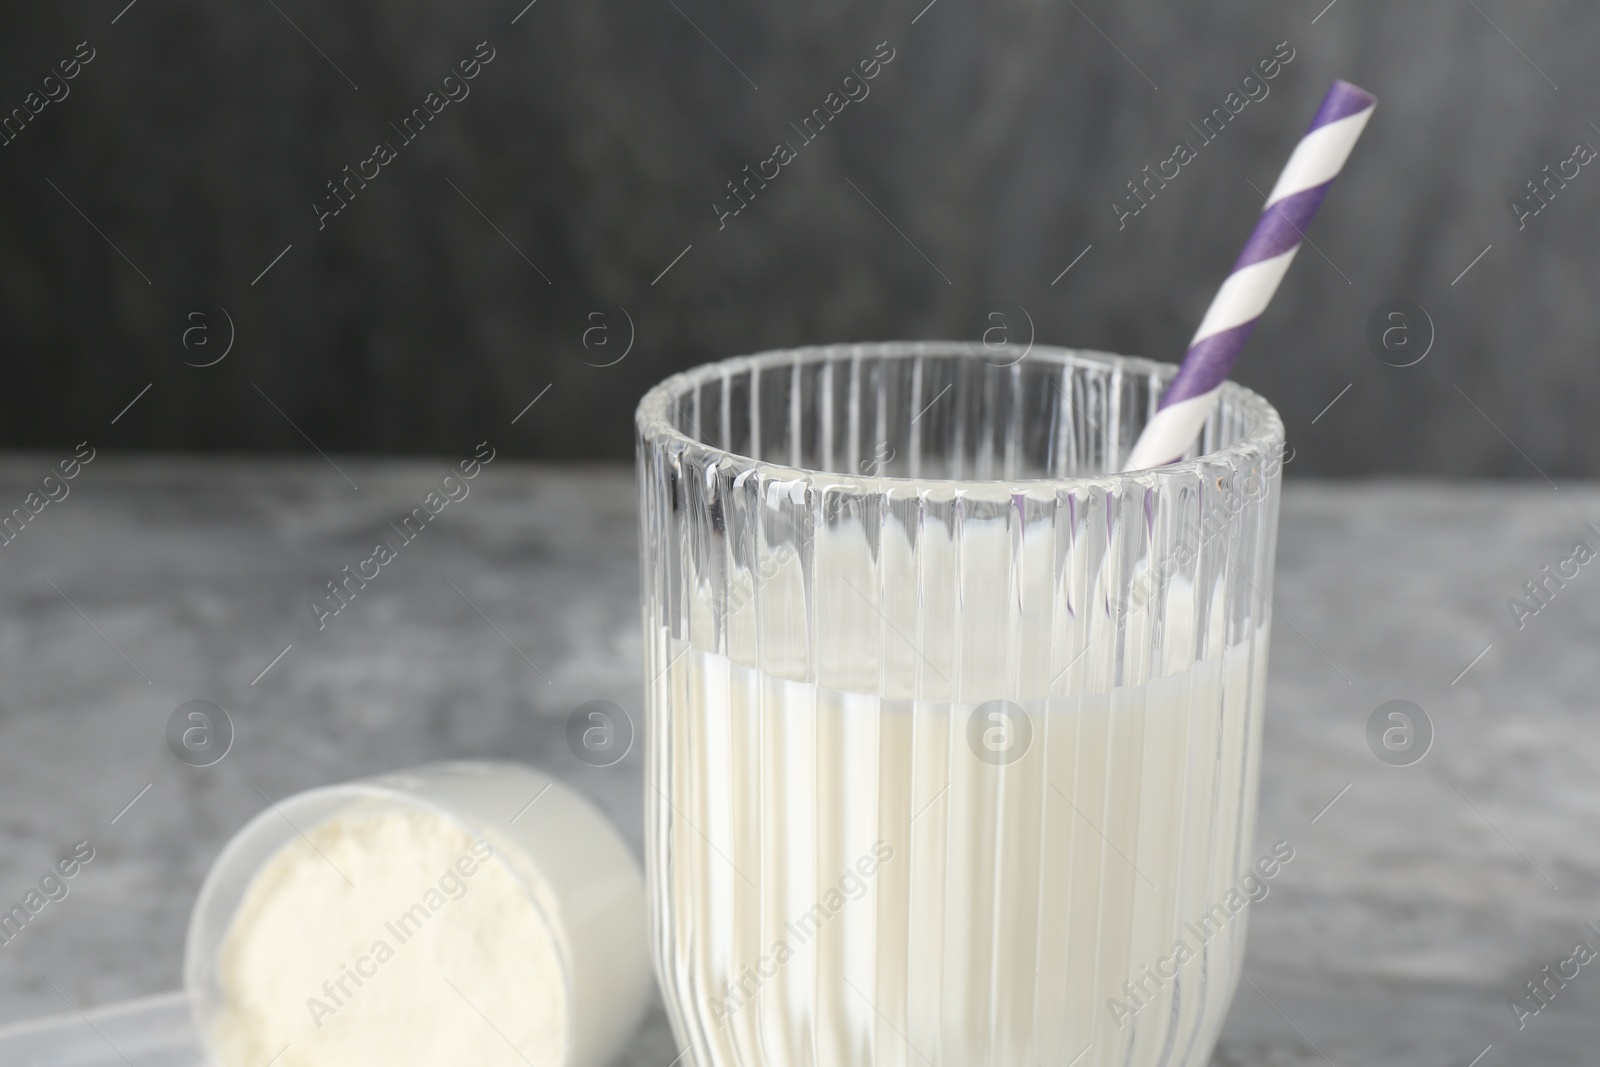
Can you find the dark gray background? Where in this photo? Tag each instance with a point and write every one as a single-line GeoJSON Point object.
{"type": "Point", "coordinates": [602, 132]}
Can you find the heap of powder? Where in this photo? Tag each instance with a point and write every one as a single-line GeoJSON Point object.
{"type": "Point", "coordinates": [386, 940]}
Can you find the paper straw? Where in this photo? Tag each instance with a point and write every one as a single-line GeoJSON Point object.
{"type": "Point", "coordinates": [1238, 305]}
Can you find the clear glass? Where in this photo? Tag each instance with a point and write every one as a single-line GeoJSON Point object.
{"type": "Point", "coordinates": [953, 737]}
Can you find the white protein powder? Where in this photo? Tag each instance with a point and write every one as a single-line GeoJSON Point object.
{"type": "Point", "coordinates": [389, 939]}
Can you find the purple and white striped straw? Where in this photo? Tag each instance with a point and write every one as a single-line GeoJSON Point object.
{"type": "Point", "coordinates": [1238, 305]}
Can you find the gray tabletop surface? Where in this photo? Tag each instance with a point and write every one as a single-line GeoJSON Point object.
{"type": "Point", "coordinates": [1416, 905]}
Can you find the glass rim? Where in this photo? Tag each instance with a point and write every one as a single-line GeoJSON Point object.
{"type": "Point", "coordinates": [1264, 426]}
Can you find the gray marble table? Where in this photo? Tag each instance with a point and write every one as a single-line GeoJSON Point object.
{"type": "Point", "coordinates": [1417, 904]}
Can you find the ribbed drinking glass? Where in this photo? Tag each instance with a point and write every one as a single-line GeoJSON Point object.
{"type": "Point", "coordinates": [953, 736]}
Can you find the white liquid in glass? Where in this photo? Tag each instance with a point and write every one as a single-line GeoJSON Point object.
{"type": "Point", "coordinates": [847, 882]}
